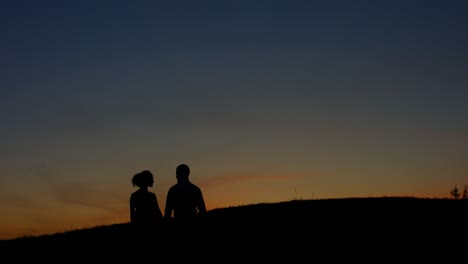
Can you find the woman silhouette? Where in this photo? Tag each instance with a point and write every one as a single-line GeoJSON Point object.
{"type": "Point", "coordinates": [144, 207]}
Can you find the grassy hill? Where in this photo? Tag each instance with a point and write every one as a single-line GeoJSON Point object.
{"type": "Point", "coordinates": [362, 227]}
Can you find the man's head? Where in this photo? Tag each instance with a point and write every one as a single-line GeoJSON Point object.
{"type": "Point", "coordinates": [182, 171]}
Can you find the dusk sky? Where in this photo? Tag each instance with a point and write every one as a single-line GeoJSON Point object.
{"type": "Point", "coordinates": [266, 101]}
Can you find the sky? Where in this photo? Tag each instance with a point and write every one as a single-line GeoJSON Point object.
{"type": "Point", "coordinates": [266, 101]}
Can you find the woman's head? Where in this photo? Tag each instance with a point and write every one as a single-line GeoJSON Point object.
{"type": "Point", "coordinates": [144, 178]}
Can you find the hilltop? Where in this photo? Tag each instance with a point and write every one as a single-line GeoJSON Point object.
{"type": "Point", "coordinates": [293, 228]}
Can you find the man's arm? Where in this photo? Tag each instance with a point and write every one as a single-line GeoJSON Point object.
{"type": "Point", "coordinates": [201, 203]}
{"type": "Point", "coordinates": [168, 208]}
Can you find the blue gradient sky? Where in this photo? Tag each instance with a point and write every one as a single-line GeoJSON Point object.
{"type": "Point", "coordinates": [267, 101]}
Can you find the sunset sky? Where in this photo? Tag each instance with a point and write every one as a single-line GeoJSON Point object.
{"type": "Point", "coordinates": [266, 101]}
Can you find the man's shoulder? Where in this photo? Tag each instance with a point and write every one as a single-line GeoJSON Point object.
{"type": "Point", "coordinates": [173, 187]}
{"type": "Point", "coordinates": [195, 186]}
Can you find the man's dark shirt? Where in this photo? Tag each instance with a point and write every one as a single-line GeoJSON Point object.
{"type": "Point", "coordinates": [186, 200]}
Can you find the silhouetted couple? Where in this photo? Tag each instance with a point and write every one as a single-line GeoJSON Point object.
{"type": "Point", "coordinates": [184, 202]}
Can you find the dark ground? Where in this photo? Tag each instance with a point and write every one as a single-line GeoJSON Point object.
{"type": "Point", "coordinates": [355, 229]}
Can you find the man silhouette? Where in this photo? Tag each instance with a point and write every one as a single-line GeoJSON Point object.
{"type": "Point", "coordinates": [184, 199]}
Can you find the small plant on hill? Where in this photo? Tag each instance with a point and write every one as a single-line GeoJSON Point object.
{"type": "Point", "coordinates": [455, 193]}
